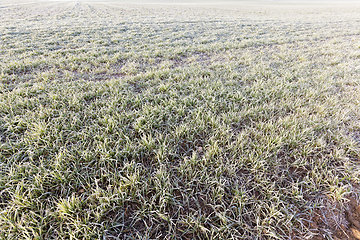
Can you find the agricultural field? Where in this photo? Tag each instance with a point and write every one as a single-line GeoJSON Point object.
{"type": "Point", "coordinates": [179, 121]}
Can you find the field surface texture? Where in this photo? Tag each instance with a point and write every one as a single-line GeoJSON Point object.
{"type": "Point", "coordinates": [184, 121]}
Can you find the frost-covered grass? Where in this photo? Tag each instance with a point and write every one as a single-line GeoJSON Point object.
{"type": "Point", "coordinates": [123, 121]}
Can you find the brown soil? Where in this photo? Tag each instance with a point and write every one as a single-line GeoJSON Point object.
{"type": "Point", "coordinates": [340, 221]}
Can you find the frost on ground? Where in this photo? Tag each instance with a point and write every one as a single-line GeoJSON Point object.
{"type": "Point", "coordinates": [188, 121]}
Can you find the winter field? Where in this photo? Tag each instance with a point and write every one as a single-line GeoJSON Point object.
{"type": "Point", "coordinates": [179, 121]}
